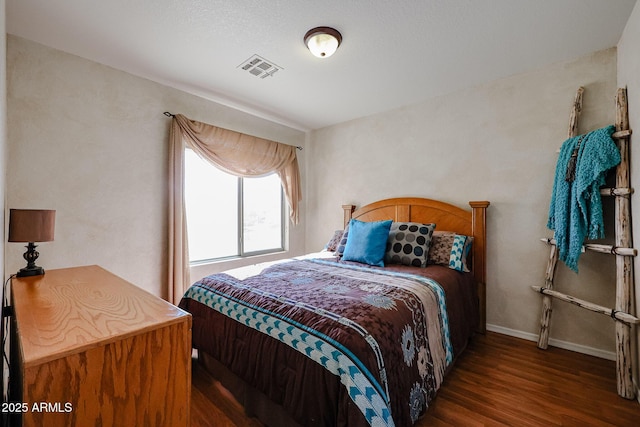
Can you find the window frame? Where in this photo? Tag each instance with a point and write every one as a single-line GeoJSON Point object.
{"type": "Point", "coordinates": [240, 234]}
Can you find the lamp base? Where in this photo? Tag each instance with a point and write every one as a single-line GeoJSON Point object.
{"type": "Point", "coordinates": [30, 271]}
{"type": "Point", "coordinates": [31, 255]}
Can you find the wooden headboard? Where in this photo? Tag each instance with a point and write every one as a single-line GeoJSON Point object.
{"type": "Point", "coordinates": [447, 218]}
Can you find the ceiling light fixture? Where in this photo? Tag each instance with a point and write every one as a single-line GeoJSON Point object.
{"type": "Point", "coordinates": [323, 41]}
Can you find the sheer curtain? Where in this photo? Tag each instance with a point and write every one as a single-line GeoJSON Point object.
{"type": "Point", "coordinates": [233, 152]}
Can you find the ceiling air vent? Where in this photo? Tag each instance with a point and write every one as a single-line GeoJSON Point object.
{"type": "Point", "coordinates": [259, 67]}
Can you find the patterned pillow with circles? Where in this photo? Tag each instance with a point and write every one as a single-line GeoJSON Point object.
{"type": "Point", "coordinates": [408, 243]}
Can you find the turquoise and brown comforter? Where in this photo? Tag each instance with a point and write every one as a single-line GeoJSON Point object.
{"type": "Point", "coordinates": [337, 343]}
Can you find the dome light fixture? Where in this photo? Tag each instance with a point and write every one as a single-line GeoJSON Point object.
{"type": "Point", "coordinates": [323, 41]}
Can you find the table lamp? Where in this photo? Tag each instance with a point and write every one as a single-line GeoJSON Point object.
{"type": "Point", "coordinates": [30, 226]}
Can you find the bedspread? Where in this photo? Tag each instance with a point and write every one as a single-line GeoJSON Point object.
{"type": "Point", "coordinates": [375, 341]}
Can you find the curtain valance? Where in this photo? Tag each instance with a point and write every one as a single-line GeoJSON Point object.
{"type": "Point", "coordinates": [243, 155]}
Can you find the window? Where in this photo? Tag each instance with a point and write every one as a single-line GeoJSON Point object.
{"type": "Point", "coordinates": [229, 216]}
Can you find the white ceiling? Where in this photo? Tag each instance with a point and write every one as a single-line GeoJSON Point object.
{"type": "Point", "coordinates": [394, 53]}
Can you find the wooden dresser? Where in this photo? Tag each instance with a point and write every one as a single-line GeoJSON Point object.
{"type": "Point", "coordinates": [91, 349]}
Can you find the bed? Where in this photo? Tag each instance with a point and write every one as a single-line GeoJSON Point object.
{"type": "Point", "coordinates": [334, 339]}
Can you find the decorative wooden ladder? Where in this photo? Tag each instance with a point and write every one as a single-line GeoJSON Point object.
{"type": "Point", "coordinates": [623, 251]}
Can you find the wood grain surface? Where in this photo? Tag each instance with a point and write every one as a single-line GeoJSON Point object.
{"type": "Point", "coordinates": [97, 350]}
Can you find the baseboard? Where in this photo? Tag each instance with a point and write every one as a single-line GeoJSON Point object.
{"type": "Point", "coordinates": [609, 355]}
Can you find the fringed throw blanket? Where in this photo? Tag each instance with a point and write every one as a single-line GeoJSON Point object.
{"type": "Point", "coordinates": [383, 335]}
{"type": "Point", "coordinates": [575, 212]}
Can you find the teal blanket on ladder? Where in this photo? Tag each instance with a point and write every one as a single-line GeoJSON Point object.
{"type": "Point", "coordinates": [575, 212]}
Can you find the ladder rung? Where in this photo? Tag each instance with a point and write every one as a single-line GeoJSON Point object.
{"type": "Point", "coordinates": [616, 135]}
{"type": "Point", "coordinates": [616, 191]}
{"type": "Point", "coordinates": [617, 315]}
{"type": "Point", "coordinates": [609, 249]}
{"type": "Point", "coordinates": [605, 249]}
{"type": "Point", "coordinates": [621, 134]}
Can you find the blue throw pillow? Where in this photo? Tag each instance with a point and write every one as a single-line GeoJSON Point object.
{"type": "Point", "coordinates": [367, 242]}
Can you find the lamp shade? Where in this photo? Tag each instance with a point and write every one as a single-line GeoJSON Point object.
{"type": "Point", "coordinates": [31, 225]}
{"type": "Point", "coordinates": [323, 41]}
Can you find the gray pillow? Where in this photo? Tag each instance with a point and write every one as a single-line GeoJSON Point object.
{"type": "Point", "coordinates": [408, 243]}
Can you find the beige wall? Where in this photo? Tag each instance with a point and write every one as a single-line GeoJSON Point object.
{"type": "Point", "coordinates": [629, 76]}
{"type": "Point", "coordinates": [92, 142]}
{"type": "Point", "coordinates": [3, 126]}
{"type": "Point", "coordinates": [493, 142]}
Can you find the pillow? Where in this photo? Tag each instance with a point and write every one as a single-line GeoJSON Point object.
{"type": "Point", "coordinates": [367, 242]}
{"type": "Point", "coordinates": [343, 241]}
{"type": "Point", "coordinates": [451, 250]}
{"type": "Point", "coordinates": [332, 244]}
{"type": "Point", "coordinates": [408, 243]}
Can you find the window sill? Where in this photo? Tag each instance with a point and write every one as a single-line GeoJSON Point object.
{"type": "Point", "coordinates": [237, 258]}
{"type": "Point", "coordinates": [201, 269]}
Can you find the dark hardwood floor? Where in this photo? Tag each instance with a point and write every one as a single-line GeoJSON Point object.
{"type": "Point", "coordinates": [212, 405]}
{"type": "Point", "coordinates": [498, 381]}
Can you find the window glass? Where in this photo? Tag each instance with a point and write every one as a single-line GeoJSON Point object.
{"type": "Point", "coordinates": [211, 198]}
{"type": "Point", "coordinates": [262, 212]}
{"type": "Point", "coordinates": [214, 200]}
